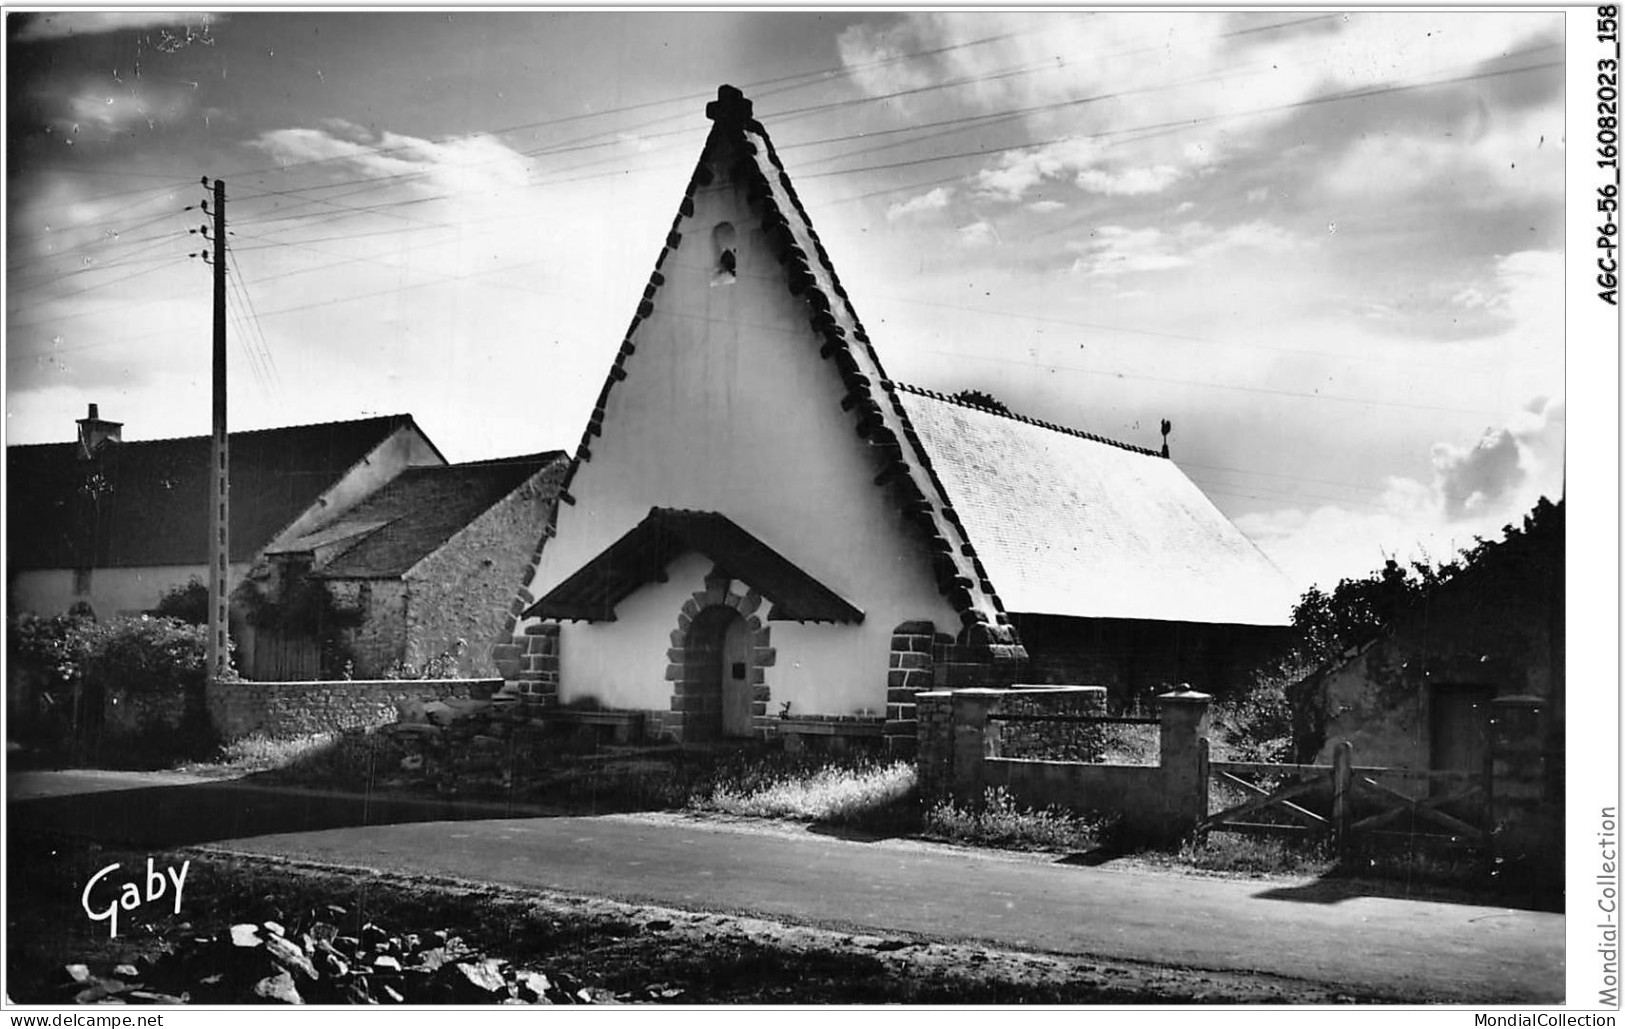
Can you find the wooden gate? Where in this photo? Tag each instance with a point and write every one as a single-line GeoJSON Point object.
{"type": "Point", "coordinates": [278, 657]}
{"type": "Point", "coordinates": [1343, 801]}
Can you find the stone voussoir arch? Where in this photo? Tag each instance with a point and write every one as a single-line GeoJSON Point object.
{"type": "Point", "coordinates": [690, 694]}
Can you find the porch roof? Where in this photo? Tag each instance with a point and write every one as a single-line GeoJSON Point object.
{"type": "Point", "coordinates": [641, 557]}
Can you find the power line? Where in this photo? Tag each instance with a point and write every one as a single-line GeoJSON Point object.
{"type": "Point", "coordinates": [13, 326]}
{"type": "Point", "coordinates": [1180, 337]}
{"type": "Point", "coordinates": [1264, 390]}
{"type": "Point", "coordinates": [1190, 122]}
{"type": "Point", "coordinates": [125, 261]}
{"type": "Point", "coordinates": [264, 349]}
{"type": "Point", "coordinates": [968, 121]}
{"type": "Point", "coordinates": [823, 74]}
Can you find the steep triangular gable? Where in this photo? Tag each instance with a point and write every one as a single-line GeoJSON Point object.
{"type": "Point", "coordinates": [739, 147]}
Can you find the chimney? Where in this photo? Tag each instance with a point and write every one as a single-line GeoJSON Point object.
{"type": "Point", "coordinates": [94, 432]}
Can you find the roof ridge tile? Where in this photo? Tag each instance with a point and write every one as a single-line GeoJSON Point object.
{"type": "Point", "coordinates": [234, 433]}
{"type": "Point", "coordinates": [1026, 419]}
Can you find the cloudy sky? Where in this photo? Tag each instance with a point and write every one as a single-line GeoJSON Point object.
{"type": "Point", "coordinates": [1329, 248]}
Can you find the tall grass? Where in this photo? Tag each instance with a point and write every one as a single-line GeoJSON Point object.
{"type": "Point", "coordinates": [835, 793]}
{"type": "Point", "coordinates": [998, 822]}
{"type": "Point", "coordinates": [257, 752]}
{"type": "Point", "coordinates": [1254, 855]}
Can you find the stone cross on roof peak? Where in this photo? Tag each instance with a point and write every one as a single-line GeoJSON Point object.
{"type": "Point", "coordinates": [730, 109]}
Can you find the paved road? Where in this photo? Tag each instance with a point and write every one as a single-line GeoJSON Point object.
{"type": "Point", "coordinates": [1315, 931]}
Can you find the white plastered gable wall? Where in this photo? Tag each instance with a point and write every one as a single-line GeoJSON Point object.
{"type": "Point", "coordinates": [728, 407]}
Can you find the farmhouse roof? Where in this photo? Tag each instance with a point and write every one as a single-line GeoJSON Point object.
{"type": "Point", "coordinates": [1167, 553]}
{"type": "Point", "coordinates": [418, 511]}
{"type": "Point", "coordinates": [140, 504]}
{"type": "Point", "coordinates": [641, 556]}
{"type": "Point", "coordinates": [1067, 523]}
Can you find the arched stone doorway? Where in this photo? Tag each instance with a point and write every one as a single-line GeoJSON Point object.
{"type": "Point", "coordinates": [717, 675]}
{"type": "Point", "coordinates": [717, 630]}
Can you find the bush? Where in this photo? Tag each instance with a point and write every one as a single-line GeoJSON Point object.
{"type": "Point", "coordinates": [1256, 724]}
{"type": "Point", "coordinates": [144, 655]}
{"type": "Point", "coordinates": [188, 603]}
{"type": "Point", "coordinates": [43, 662]}
{"type": "Point", "coordinates": [158, 665]}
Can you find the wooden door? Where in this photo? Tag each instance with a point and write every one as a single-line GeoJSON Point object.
{"type": "Point", "coordinates": [1459, 728]}
{"type": "Point", "coordinates": [737, 644]}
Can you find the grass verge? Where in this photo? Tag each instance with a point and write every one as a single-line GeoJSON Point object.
{"type": "Point", "coordinates": [863, 791]}
{"type": "Point", "coordinates": [999, 822]}
{"type": "Point", "coordinates": [257, 752]}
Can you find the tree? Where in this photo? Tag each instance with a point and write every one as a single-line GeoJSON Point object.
{"type": "Point", "coordinates": [1357, 611]}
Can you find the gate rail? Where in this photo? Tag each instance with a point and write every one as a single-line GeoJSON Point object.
{"type": "Point", "coordinates": [1346, 782]}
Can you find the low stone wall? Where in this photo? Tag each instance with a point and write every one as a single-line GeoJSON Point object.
{"type": "Point", "coordinates": [1134, 792]}
{"type": "Point", "coordinates": [284, 709]}
{"type": "Point", "coordinates": [958, 757]}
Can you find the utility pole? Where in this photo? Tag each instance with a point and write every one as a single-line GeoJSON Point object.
{"type": "Point", "coordinates": [219, 653]}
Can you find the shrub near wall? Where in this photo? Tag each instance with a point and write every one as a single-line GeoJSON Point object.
{"type": "Point", "coordinates": [150, 673]}
{"type": "Point", "coordinates": [129, 686]}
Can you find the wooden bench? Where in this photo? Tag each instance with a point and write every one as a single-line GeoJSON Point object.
{"type": "Point", "coordinates": [836, 734]}
{"type": "Point", "coordinates": [624, 726]}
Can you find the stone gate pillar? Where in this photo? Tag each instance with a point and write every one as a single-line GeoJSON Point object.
{"type": "Point", "coordinates": [1184, 729]}
{"type": "Point", "coordinates": [1517, 778]}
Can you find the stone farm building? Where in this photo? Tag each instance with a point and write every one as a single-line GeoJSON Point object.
{"type": "Point", "coordinates": [364, 519]}
{"type": "Point", "coordinates": [1472, 658]}
{"type": "Point", "coordinates": [419, 572]}
{"type": "Point", "coordinates": [762, 533]}
{"type": "Point", "coordinates": [114, 524]}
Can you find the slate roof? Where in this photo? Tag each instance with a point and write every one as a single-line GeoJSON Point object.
{"type": "Point", "coordinates": [419, 510]}
{"type": "Point", "coordinates": [1071, 524]}
{"type": "Point", "coordinates": [145, 503]}
{"type": "Point", "coordinates": [641, 557]}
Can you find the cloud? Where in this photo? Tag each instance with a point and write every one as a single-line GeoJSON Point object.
{"type": "Point", "coordinates": [1130, 182]}
{"type": "Point", "coordinates": [1083, 161]}
{"type": "Point", "coordinates": [176, 29]}
{"type": "Point", "coordinates": [460, 165]}
{"type": "Point", "coordinates": [101, 112]}
{"type": "Point", "coordinates": [1116, 250]}
{"type": "Point", "coordinates": [1474, 160]}
{"type": "Point", "coordinates": [977, 234]}
{"type": "Point", "coordinates": [1472, 479]}
{"type": "Point", "coordinates": [1521, 291]}
{"type": "Point", "coordinates": [1020, 170]}
{"type": "Point", "coordinates": [1477, 488]}
{"type": "Point", "coordinates": [935, 200]}
{"type": "Point", "coordinates": [1230, 79]}
{"type": "Point", "coordinates": [637, 143]}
